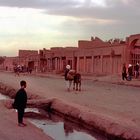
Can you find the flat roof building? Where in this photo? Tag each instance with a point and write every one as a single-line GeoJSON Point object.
{"type": "Point", "coordinates": [94, 56]}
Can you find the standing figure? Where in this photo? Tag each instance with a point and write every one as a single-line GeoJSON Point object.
{"type": "Point", "coordinates": [130, 72]}
{"type": "Point", "coordinates": [124, 74]}
{"type": "Point", "coordinates": [30, 70]}
{"type": "Point", "coordinates": [68, 81]}
{"type": "Point", "coordinates": [137, 70]}
{"type": "Point", "coordinates": [20, 102]}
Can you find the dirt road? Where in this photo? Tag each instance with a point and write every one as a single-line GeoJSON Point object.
{"type": "Point", "coordinates": [118, 101]}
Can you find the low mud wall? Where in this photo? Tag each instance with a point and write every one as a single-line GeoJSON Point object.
{"type": "Point", "coordinates": [11, 92]}
{"type": "Point", "coordinates": [110, 127]}
{"type": "Point", "coordinates": [106, 125]}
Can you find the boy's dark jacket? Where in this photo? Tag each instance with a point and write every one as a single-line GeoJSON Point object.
{"type": "Point", "coordinates": [20, 99]}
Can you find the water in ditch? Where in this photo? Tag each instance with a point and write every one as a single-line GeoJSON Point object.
{"type": "Point", "coordinates": [57, 127]}
{"type": "Point", "coordinates": [60, 128]}
{"type": "Point", "coordinates": [3, 97]}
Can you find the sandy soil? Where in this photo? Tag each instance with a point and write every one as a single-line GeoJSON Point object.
{"type": "Point", "coordinates": [9, 130]}
{"type": "Point", "coordinates": [121, 102]}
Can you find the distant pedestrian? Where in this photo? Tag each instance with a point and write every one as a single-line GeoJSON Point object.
{"type": "Point", "coordinates": [16, 71]}
{"type": "Point", "coordinates": [30, 70]}
{"type": "Point", "coordinates": [20, 102]}
{"type": "Point", "coordinates": [6, 68]}
{"type": "Point", "coordinates": [137, 70]}
{"type": "Point", "coordinates": [130, 72]}
{"type": "Point", "coordinates": [124, 73]}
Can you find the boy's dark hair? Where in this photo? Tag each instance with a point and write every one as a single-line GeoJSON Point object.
{"type": "Point", "coordinates": [22, 83]}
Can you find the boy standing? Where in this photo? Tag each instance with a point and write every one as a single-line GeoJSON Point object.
{"type": "Point", "coordinates": [20, 102]}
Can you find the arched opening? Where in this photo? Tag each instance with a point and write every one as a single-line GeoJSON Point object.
{"type": "Point", "coordinates": [134, 52]}
{"type": "Point", "coordinates": [31, 65]}
{"type": "Point", "coordinates": [133, 43]}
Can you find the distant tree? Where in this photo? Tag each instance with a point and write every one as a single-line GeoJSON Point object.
{"type": "Point", "coordinates": [92, 38]}
{"type": "Point", "coordinates": [1, 60]}
{"type": "Point", "coordinates": [118, 40]}
{"type": "Point", "coordinates": [110, 41]}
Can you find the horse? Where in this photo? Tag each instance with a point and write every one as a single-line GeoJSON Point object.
{"type": "Point", "coordinates": [77, 82]}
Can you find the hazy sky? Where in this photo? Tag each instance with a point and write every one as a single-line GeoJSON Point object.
{"type": "Point", "coordinates": [37, 24]}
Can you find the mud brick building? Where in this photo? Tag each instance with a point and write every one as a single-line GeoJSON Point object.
{"type": "Point", "coordinates": [8, 63]}
{"type": "Point", "coordinates": [29, 58]}
{"type": "Point", "coordinates": [56, 59]}
{"type": "Point", "coordinates": [93, 56]}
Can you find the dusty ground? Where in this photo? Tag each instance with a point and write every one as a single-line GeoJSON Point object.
{"type": "Point", "coordinates": [9, 130]}
{"type": "Point", "coordinates": [121, 102]}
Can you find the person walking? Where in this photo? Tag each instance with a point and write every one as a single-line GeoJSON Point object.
{"type": "Point", "coordinates": [124, 74]}
{"type": "Point", "coordinates": [68, 81]}
{"type": "Point", "coordinates": [20, 103]}
{"type": "Point", "coordinates": [137, 70]}
{"type": "Point", "coordinates": [130, 72]}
